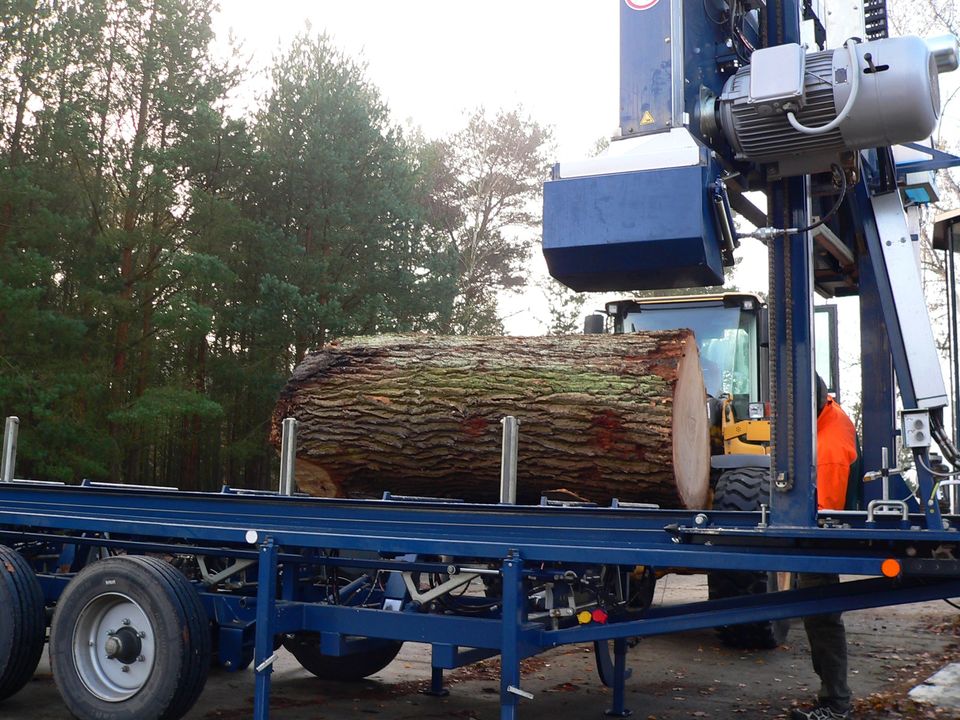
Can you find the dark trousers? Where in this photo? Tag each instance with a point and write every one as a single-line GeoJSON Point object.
{"type": "Point", "coordinates": [828, 648]}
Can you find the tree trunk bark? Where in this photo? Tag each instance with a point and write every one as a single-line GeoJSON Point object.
{"type": "Point", "coordinates": [601, 417]}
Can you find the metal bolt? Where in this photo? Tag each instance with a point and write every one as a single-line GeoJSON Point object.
{"type": "Point", "coordinates": [125, 668]}
{"type": "Point", "coordinates": [228, 664]}
{"type": "Point", "coordinates": [126, 621]}
{"type": "Point", "coordinates": [700, 519]}
{"type": "Point", "coordinates": [141, 658]}
{"type": "Point", "coordinates": [112, 647]}
{"type": "Point", "coordinates": [452, 570]}
{"type": "Point", "coordinates": [141, 634]}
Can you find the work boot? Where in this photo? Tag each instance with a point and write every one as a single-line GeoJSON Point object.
{"type": "Point", "coordinates": [819, 712]}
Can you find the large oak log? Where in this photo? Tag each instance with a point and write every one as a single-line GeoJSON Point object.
{"type": "Point", "coordinates": [602, 416]}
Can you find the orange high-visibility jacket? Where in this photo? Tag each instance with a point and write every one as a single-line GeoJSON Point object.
{"type": "Point", "coordinates": [836, 452]}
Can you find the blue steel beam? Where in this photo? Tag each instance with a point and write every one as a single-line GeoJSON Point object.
{"type": "Point", "coordinates": [860, 594]}
{"type": "Point", "coordinates": [879, 415]}
{"type": "Point", "coordinates": [863, 210]}
{"type": "Point", "coordinates": [610, 536]}
{"type": "Point", "coordinates": [791, 297]}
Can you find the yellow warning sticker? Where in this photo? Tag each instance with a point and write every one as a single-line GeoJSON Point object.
{"type": "Point", "coordinates": [647, 118]}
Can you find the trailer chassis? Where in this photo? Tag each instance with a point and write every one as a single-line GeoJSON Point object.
{"type": "Point", "coordinates": [276, 540]}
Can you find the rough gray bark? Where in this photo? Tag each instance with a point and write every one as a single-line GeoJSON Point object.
{"type": "Point", "coordinates": [602, 416]}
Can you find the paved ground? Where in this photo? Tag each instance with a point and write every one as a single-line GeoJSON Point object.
{"type": "Point", "coordinates": [675, 677]}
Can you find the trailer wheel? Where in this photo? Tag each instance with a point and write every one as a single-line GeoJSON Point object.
{"type": "Point", "coordinates": [746, 489]}
{"type": "Point", "coordinates": [130, 641]}
{"type": "Point", "coordinates": [305, 647]}
{"type": "Point", "coordinates": [23, 622]}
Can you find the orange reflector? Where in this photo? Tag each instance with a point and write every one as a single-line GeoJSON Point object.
{"type": "Point", "coordinates": [584, 617]}
{"type": "Point", "coordinates": [890, 568]}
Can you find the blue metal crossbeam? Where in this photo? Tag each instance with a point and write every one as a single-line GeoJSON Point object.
{"type": "Point", "coordinates": [618, 536]}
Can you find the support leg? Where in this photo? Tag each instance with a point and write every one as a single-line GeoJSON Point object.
{"type": "Point", "coordinates": [619, 708]}
{"type": "Point", "coordinates": [436, 684]}
{"type": "Point", "coordinates": [510, 637]}
{"type": "Point", "coordinates": [264, 656]}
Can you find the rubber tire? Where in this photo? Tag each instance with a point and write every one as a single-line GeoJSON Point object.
{"type": "Point", "coordinates": [23, 622]}
{"type": "Point", "coordinates": [745, 489]}
{"type": "Point", "coordinates": [305, 647]}
{"type": "Point", "coordinates": [182, 639]}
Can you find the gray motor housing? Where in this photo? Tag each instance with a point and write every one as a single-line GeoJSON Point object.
{"type": "Point", "coordinates": [898, 101]}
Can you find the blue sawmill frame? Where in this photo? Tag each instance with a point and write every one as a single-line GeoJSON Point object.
{"type": "Point", "coordinates": [289, 532]}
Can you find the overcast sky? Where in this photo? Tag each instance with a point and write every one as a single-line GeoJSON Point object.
{"type": "Point", "coordinates": [434, 60]}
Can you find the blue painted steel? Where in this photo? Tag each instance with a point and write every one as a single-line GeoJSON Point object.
{"type": "Point", "coordinates": [860, 594]}
{"type": "Point", "coordinates": [619, 706]}
{"type": "Point", "coordinates": [266, 621]}
{"type": "Point", "coordinates": [449, 657]}
{"type": "Point", "coordinates": [532, 536]}
{"type": "Point", "coordinates": [514, 603]}
{"type": "Point", "coordinates": [879, 418]}
{"type": "Point", "coordinates": [436, 683]}
{"type": "Point", "coordinates": [703, 42]}
{"type": "Point", "coordinates": [646, 67]}
{"type": "Point", "coordinates": [939, 160]}
{"type": "Point", "coordinates": [633, 231]}
{"type": "Point", "coordinates": [605, 535]}
{"type": "Point", "coordinates": [654, 93]}
{"type": "Point", "coordinates": [791, 297]}
{"type": "Point", "coordinates": [793, 500]}
{"type": "Point", "coordinates": [864, 211]}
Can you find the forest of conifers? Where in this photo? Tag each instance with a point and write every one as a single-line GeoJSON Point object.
{"type": "Point", "coordinates": [177, 231]}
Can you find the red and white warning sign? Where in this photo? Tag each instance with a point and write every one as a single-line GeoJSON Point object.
{"type": "Point", "coordinates": [640, 4]}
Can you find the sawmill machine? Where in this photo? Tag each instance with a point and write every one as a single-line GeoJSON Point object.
{"type": "Point", "coordinates": [718, 103]}
{"type": "Point", "coordinates": [147, 586]}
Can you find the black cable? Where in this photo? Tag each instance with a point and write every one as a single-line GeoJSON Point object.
{"type": "Point", "coordinates": [950, 452]}
{"type": "Point", "coordinates": [951, 603]}
{"type": "Point", "coordinates": [710, 17]}
{"type": "Point", "coordinates": [833, 211]}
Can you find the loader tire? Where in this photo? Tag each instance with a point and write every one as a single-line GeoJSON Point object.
{"type": "Point", "coordinates": [746, 489]}
{"type": "Point", "coordinates": [305, 647]}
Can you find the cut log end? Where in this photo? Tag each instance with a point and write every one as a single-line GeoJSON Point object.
{"type": "Point", "coordinates": [691, 430]}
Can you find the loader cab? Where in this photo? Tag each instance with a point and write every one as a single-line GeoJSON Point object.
{"type": "Point", "coordinates": [731, 334]}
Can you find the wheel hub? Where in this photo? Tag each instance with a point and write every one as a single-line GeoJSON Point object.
{"type": "Point", "coordinates": [113, 647]}
{"type": "Point", "coordinates": [124, 645]}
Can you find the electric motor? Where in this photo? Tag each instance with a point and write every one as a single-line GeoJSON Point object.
{"type": "Point", "coordinates": [799, 112]}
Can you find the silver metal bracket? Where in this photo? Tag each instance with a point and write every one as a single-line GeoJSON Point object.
{"type": "Point", "coordinates": [212, 579]}
{"type": "Point", "coordinates": [440, 590]}
{"type": "Point", "coordinates": [508, 460]}
{"type": "Point", "coordinates": [267, 663]}
{"type": "Point", "coordinates": [887, 507]}
{"type": "Point", "coordinates": [520, 693]}
{"type": "Point", "coordinates": [288, 457]}
{"type": "Point", "coordinates": [8, 461]}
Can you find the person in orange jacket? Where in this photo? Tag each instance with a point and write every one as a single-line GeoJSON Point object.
{"type": "Point", "coordinates": [836, 455]}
